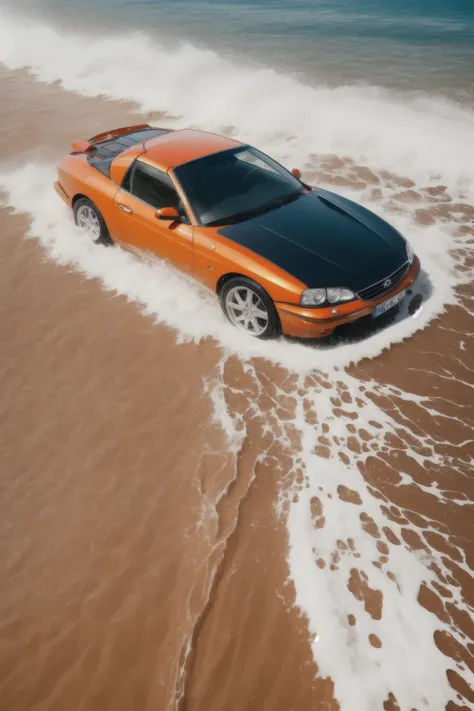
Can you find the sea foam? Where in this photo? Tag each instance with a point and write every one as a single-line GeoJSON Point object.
{"type": "Point", "coordinates": [428, 141]}
{"type": "Point", "coordinates": [427, 138]}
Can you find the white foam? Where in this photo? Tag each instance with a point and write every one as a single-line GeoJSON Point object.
{"type": "Point", "coordinates": [427, 139]}
{"type": "Point", "coordinates": [409, 663]}
{"type": "Point", "coordinates": [193, 312]}
{"type": "Point", "coordinates": [418, 136]}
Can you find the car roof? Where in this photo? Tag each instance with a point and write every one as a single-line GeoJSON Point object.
{"type": "Point", "coordinates": [184, 145]}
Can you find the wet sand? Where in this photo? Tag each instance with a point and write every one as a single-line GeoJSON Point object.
{"type": "Point", "coordinates": [143, 567]}
{"type": "Point", "coordinates": [108, 458]}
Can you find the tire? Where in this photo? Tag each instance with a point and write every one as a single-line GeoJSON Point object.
{"type": "Point", "coordinates": [88, 217]}
{"type": "Point", "coordinates": [249, 308]}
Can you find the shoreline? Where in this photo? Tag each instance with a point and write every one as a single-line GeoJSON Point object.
{"type": "Point", "coordinates": [113, 514]}
{"type": "Point", "coordinates": [98, 385]}
{"type": "Point", "coordinates": [400, 53]}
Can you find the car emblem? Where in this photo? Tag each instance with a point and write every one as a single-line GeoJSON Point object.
{"type": "Point", "coordinates": [387, 283]}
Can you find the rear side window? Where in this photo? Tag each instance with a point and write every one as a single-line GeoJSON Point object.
{"type": "Point", "coordinates": [102, 164]}
{"type": "Point", "coordinates": [153, 187]}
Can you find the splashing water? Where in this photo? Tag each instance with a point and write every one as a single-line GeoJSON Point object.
{"type": "Point", "coordinates": [356, 572]}
{"type": "Point", "coordinates": [331, 544]}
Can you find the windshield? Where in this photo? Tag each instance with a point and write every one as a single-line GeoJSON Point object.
{"type": "Point", "coordinates": [235, 185]}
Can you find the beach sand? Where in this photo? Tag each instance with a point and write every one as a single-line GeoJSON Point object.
{"type": "Point", "coordinates": [144, 566]}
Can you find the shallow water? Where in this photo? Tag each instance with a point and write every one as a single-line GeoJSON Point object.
{"type": "Point", "coordinates": [426, 46]}
{"type": "Point", "coordinates": [195, 520]}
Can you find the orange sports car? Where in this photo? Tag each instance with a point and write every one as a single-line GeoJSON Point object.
{"type": "Point", "coordinates": [282, 256]}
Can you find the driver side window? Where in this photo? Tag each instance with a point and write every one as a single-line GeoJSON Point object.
{"type": "Point", "coordinates": [154, 187]}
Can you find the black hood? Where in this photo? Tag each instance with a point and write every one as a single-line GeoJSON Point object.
{"type": "Point", "coordinates": [324, 240]}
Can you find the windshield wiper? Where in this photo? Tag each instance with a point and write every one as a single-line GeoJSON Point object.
{"type": "Point", "coordinates": [248, 214]}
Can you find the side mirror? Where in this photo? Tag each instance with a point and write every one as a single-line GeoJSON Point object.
{"type": "Point", "coordinates": [167, 213]}
{"type": "Point", "coordinates": [297, 173]}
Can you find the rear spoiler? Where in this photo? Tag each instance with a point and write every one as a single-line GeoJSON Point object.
{"type": "Point", "coordinates": [87, 146]}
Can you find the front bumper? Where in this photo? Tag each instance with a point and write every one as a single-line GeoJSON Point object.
{"type": "Point", "coordinates": [302, 322]}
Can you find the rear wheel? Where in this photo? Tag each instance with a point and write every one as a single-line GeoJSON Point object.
{"type": "Point", "coordinates": [250, 308]}
{"type": "Point", "coordinates": [89, 219]}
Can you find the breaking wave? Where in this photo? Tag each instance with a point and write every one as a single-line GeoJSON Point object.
{"type": "Point", "coordinates": [426, 138]}
{"type": "Point", "coordinates": [409, 158]}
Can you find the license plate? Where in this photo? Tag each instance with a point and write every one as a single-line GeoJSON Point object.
{"type": "Point", "coordinates": [389, 304]}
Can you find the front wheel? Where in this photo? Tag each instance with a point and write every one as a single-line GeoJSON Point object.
{"type": "Point", "coordinates": [88, 218]}
{"type": "Point", "coordinates": [250, 308]}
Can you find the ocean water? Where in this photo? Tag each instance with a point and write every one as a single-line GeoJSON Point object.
{"type": "Point", "coordinates": [424, 46]}
{"type": "Point", "coordinates": [367, 444]}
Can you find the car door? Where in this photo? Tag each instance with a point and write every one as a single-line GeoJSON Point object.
{"type": "Point", "coordinates": [146, 189]}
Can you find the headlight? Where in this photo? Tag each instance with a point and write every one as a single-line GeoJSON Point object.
{"type": "Point", "coordinates": [410, 252]}
{"type": "Point", "coordinates": [337, 294]}
{"type": "Point", "coordinates": [313, 297]}
{"type": "Point", "coordinates": [316, 297]}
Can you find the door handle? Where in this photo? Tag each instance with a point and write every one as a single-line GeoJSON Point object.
{"type": "Point", "coordinates": [126, 209]}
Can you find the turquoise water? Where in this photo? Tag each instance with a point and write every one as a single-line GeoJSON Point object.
{"type": "Point", "coordinates": [422, 46]}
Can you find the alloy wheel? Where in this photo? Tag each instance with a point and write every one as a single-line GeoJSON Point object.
{"type": "Point", "coordinates": [88, 221]}
{"type": "Point", "coordinates": [246, 310]}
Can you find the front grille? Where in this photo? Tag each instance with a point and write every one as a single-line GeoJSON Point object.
{"type": "Point", "coordinates": [375, 291]}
